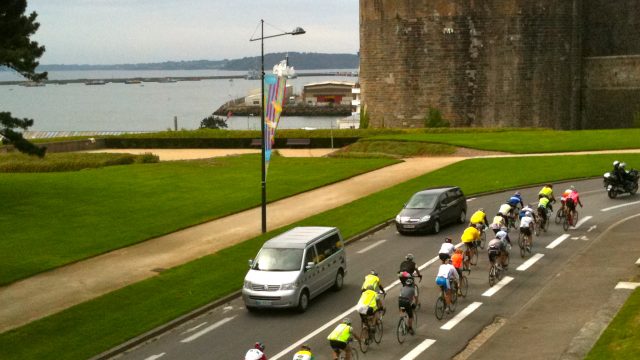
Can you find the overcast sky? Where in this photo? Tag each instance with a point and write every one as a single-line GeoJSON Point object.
{"type": "Point", "coordinates": [140, 31]}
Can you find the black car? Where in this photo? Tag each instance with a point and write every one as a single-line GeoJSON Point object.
{"type": "Point", "coordinates": [429, 209]}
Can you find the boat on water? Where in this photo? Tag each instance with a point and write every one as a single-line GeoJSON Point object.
{"type": "Point", "coordinates": [95, 82]}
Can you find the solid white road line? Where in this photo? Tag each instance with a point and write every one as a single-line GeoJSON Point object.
{"type": "Point", "coordinates": [196, 327]}
{"type": "Point", "coordinates": [423, 266]}
{"type": "Point", "coordinates": [418, 349]}
{"type": "Point", "coordinates": [495, 288]}
{"type": "Point", "coordinates": [627, 285]}
{"type": "Point", "coordinates": [371, 246]}
{"type": "Point", "coordinates": [207, 329]}
{"type": "Point", "coordinates": [582, 221]}
{"type": "Point", "coordinates": [525, 265]}
{"type": "Point", "coordinates": [154, 357]}
{"type": "Point", "coordinates": [557, 241]}
{"type": "Point", "coordinates": [461, 315]}
{"type": "Point", "coordinates": [619, 206]}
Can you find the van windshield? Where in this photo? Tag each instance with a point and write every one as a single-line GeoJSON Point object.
{"type": "Point", "coordinates": [278, 260]}
{"type": "Point", "coordinates": [422, 201]}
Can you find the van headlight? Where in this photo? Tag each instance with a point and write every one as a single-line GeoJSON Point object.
{"type": "Point", "coordinates": [398, 218]}
{"type": "Point", "coordinates": [247, 284]}
{"type": "Point", "coordinates": [425, 218]}
{"type": "Point", "coordinates": [290, 286]}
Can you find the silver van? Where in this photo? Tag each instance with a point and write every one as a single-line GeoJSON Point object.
{"type": "Point", "coordinates": [294, 267]}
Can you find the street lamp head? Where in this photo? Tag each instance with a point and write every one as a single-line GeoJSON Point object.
{"type": "Point", "coordinates": [298, 31]}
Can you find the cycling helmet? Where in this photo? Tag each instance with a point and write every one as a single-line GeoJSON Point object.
{"type": "Point", "coordinates": [373, 272]}
{"type": "Point", "coordinates": [517, 193]}
{"type": "Point", "coordinates": [346, 321]}
{"type": "Point", "coordinates": [409, 257]}
{"type": "Point", "coordinates": [409, 281]}
{"type": "Point", "coordinates": [305, 347]}
{"type": "Point", "coordinates": [259, 346]}
{"type": "Point", "coordinates": [447, 239]}
{"type": "Point", "coordinates": [504, 228]}
{"type": "Point", "coordinates": [481, 209]}
{"type": "Point", "coordinates": [622, 165]}
{"type": "Point", "coordinates": [550, 185]}
{"type": "Point", "coordinates": [528, 213]}
{"type": "Point", "coordinates": [616, 163]}
{"type": "Point", "coordinates": [405, 274]}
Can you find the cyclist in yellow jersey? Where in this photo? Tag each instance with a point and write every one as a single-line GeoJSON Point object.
{"type": "Point", "coordinates": [340, 337]}
{"type": "Point", "coordinates": [469, 238]}
{"type": "Point", "coordinates": [547, 191]}
{"type": "Point", "coordinates": [304, 353]}
{"type": "Point", "coordinates": [368, 306]}
{"type": "Point", "coordinates": [479, 217]}
{"type": "Point", "coordinates": [373, 281]}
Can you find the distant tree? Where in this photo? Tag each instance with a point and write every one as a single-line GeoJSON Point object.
{"type": "Point", "coordinates": [213, 122]}
{"type": "Point", "coordinates": [19, 53]}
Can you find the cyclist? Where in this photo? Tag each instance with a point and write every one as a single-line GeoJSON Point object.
{"type": "Point", "coordinates": [479, 217]}
{"type": "Point", "coordinates": [514, 201]}
{"type": "Point", "coordinates": [497, 249]}
{"type": "Point", "coordinates": [497, 223]}
{"type": "Point", "coordinates": [563, 199]}
{"type": "Point", "coordinates": [503, 235]}
{"type": "Point", "coordinates": [526, 227]}
{"type": "Point", "coordinates": [257, 353]}
{"type": "Point", "coordinates": [446, 273]}
{"type": "Point", "coordinates": [340, 337]}
{"type": "Point", "coordinates": [368, 306]}
{"type": "Point", "coordinates": [408, 268]}
{"type": "Point", "coordinates": [525, 209]}
{"type": "Point", "coordinates": [505, 212]}
{"type": "Point", "coordinates": [408, 301]}
{"type": "Point", "coordinates": [374, 281]}
{"type": "Point", "coordinates": [446, 250]}
{"type": "Point", "coordinates": [543, 204]}
{"type": "Point", "coordinates": [547, 192]}
{"type": "Point", "coordinates": [304, 353]}
{"type": "Point", "coordinates": [456, 261]}
{"type": "Point", "coordinates": [469, 238]}
{"type": "Point", "coordinates": [573, 199]}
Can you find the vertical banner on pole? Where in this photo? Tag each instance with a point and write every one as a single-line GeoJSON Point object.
{"type": "Point", "coordinates": [274, 93]}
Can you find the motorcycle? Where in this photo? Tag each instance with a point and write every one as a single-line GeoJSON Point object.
{"type": "Point", "coordinates": [615, 187]}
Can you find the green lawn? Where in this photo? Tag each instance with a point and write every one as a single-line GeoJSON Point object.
{"type": "Point", "coordinates": [533, 141]}
{"type": "Point", "coordinates": [621, 340]}
{"type": "Point", "coordinates": [52, 219]}
{"type": "Point", "coordinates": [100, 324]}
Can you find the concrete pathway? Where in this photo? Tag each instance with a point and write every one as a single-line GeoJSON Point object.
{"type": "Point", "coordinates": [58, 289]}
{"type": "Point", "coordinates": [190, 154]}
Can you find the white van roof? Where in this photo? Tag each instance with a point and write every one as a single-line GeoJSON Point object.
{"type": "Point", "coordinates": [299, 237]}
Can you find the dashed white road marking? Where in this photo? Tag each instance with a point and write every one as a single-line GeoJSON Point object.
{"type": "Point", "coordinates": [557, 241]}
{"type": "Point", "coordinates": [207, 329]}
{"type": "Point", "coordinates": [470, 200]}
{"type": "Point", "coordinates": [582, 221]}
{"type": "Point", "coordinates": [461, 315]}
{"type": "Point", "coordinates": [154, 357]}
{"type": "Point", "coordinates": [525, 265]}
{"type": "Point", "coordinates": [371, 246]}
{"type": "Point", "coordinates": [418, 349]}
{"type": "Point", "coordinates": [195, 327]}
{"type": "Point", "coordinates": [592, 227]}
{"type": "Point", "coordinates": [627, 285]}
{"type": "Point", "coordinates": [621, 205]}
{"type": "Point", "coordinates": [495, 288]}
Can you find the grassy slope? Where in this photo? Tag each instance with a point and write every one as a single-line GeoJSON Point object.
{"type": "Point", "coordinates": [98, 325]}
{"type": "Point", "coordinates": [523, 142]}
{"type": "Point", "coordinates": [59, 218]}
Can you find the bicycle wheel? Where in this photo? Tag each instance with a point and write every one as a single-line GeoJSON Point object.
{"type": "Point", "coordinates": [415, 319]}
{"type": "Point", "coordinates": [492, 275]}
{"type": "Point", "coordinates": [574, 219]}
{"type": "Point", "coordinates": [440, 305]}
{"type": "Point", "coordinates": [474, 258]}
{"type": "Point", "coordinates": [521, 244]}
{"type": "Point", "coordinates": [565, 223]}
{"type": "Point", "coordinates": [464, 286]}
{"type": "Point", "coordinates": [364, 339]}
{"type": "Point", "coordinates": [559, 216]}
{"type": "Point", "coordinates": [465, 264]}
{"type": "Point", "coordinates": [377, 334]}
{"type": "Point", "coordinates": [401, 330]}
{"type": "Point", "coordinates": [483, 239]}
{"type": "Point", "coordinates": [454, 298]}
{"type": "Point", "coordinates": [546, 224]}
{"type": "Point", "coordinates": [536, 228]}
{"type": "Point", "coordinates": [354, 353]}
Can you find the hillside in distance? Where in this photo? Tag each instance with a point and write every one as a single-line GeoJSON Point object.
{"type": "Point", "coordinates": [300, 61]}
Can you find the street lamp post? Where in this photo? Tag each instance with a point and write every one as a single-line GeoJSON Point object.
{"type": "Point", "coordinates": [296, 31]}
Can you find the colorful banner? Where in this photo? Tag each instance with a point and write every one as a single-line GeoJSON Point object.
{"type": "Point", "coordinates": [274, 93]}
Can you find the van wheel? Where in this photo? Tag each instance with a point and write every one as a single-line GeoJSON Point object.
{"type": "Point", "coordinates": [463, 217]}
{"type": "Point", "coordinates": [303, 302]}
{"type": "Point", "coordinates": [436, 227]}
{"type": "Point", "coordinates": [337, 285]}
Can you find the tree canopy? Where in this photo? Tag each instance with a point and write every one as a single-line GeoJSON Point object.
{"type": "Point", "coordinates": [20, 53]}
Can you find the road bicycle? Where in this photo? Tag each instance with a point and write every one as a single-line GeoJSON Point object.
{"type": "Point", "coordinates": [369, 335]}
{"type": "Point", "coordinates": [470, 258]}
{"type": "Point", "coordinates": [403, 324]}
{"type": "Point", "coordinates": [559, 215]}
{"type": "Point", "coordinates": [483, 237]}
{"type": "Point", "coordinates": [544, 221]}
{"type": "Point", "coordinates": [441, 303]}
{"type": "Point", "coordinates": [464, 285]}
{"type": "Point", "coordinates": [342, 355]}
{"type": "Point", "coordinates": [496, 271]}
{"type": "Point", "coordinates": [570, 219]}
{"type": "Point", "coordinates": [524, 242]}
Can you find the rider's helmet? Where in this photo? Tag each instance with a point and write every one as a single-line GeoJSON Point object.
{"type": "Point", "coordinates": [478, 226]}
{"type": "Point", "coordinates": [447, 239]}
{"type": "Point", "coordinates": [528, 213]}
{"type": "Point", "coordinates": [305, 347]}
{"type": "Point", "coordinates": [373, 272]}
{"type": "Point", "coordinates": [517, 194]}
{"type": "Point", "coordinates": [573, 188]}
{"type": "Point", "coordinates": [259, 346]}
{"type": "Point", "coordinates": [405, 274]}
{"type": "Point", "coordinates": [409, 257]}
{"type": "Point", "coordinates": [623, 165]}
{"type": "Point", "coordinates": [503, 228]}
{"type": "Point", "coordinates": [616, 164]}
{"type": "Point", "coordinates": [549, 186]}
{"type": "Point", "coordinates": [409, 281]}
{"type": "Point", "coordinates": [481, 209]}
{"type": "Point", "coordinates": [346, 321]}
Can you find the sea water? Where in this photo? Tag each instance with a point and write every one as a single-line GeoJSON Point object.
{"type": "Point", "coordinates": [148, 106]}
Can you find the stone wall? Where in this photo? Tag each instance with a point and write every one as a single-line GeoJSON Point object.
{"type": "Point", "coordinates": [481, 63]}
{"type": "Point", "coordinates": [612, 27]}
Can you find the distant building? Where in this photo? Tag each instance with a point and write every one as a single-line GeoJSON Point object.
{"type": "Point", "coordinates": [255, 96]}
{"type": "Point", "coordinates": [329, 92]}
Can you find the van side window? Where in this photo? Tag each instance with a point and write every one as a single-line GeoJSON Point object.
{"type": "Point", "coordinates": [310, 256]}
{"type": "Point", "coordinates": [329, 246]}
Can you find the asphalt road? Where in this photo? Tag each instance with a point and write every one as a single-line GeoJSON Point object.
{"type": "Point", "coordinates": [552, 304]}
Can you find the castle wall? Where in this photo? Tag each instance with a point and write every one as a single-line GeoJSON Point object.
{"type": "Point", "coordinates": [481, 63]}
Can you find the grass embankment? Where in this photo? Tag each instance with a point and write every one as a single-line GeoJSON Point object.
{"type": "Point", "coordinates": [523, 142]}
{"type": "Point", "coordinates": [52, 219]}
{"type": "Point", "coordinates": [621, 340]}
{"type": "Point", "coordinates": [393, 149]}
{"type": "Point", "coordinates": [57, 162]}
{"type": "Point", "coordinates": [97, 325]}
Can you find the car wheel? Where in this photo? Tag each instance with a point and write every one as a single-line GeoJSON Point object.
{"type": "Point", "coordinates": [251, 309]}
{"type": "Point", "coordinates": [436, 226]}
{"type": "Point", "coordinates": [303, 302]}
{"type": "Point", "coordinates": [463, 217]}
{"type": "Point", "coordinates": [337, 285]}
